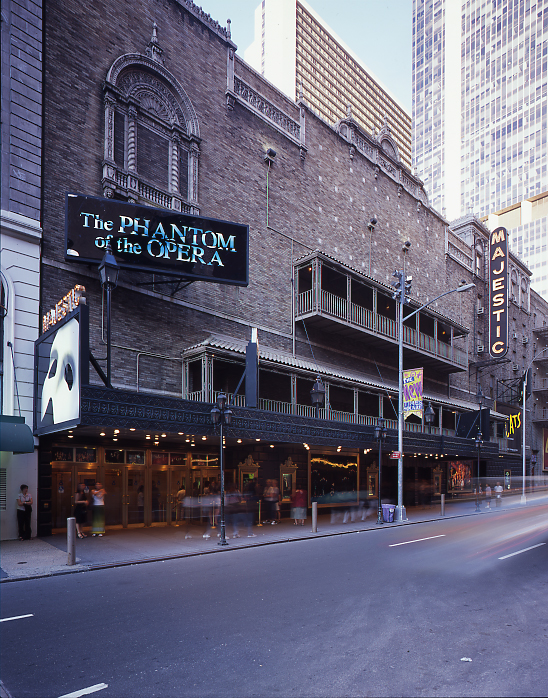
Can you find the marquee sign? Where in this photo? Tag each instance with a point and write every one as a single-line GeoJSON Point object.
{"type": "Point", "coordinates": [154, 240]}
{"type": "Point", "coordinates": [498, 292]}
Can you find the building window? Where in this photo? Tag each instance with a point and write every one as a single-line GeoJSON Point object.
{"type": "Point", "coordinates": [152, 140]}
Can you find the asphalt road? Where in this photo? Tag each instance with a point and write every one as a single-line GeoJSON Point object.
{"type": "Point", "coordinates": [350, 615]}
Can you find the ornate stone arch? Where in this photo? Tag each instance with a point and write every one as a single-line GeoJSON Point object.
{"type": "Point", "coordinates": [139, 92]}
{"type": "Point", "coordinates": [387, 142]}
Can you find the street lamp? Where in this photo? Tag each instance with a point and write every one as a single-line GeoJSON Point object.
{"type": "Point", "coordinates": [429, 416]}
{"type": "Point", "coordinates": [380, 436]}
{"type": "Point", "coordinates": [478, 446]}
{"type": "Point", "coordinates": [222, 415]}
{"type": "Point", "coordinates": [317, 395]}
{"type": "Point", "coordinates": [401, 293]}
{"type": "Point", "coordinates": [108, 273]}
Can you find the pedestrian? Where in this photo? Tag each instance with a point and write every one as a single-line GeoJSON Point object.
{"type": "Point", "coordinates": [180, 510]}
{"type": "Point", "coordinates": [24, 511]}
{"type": "Point", "coordinates": [80, 509]}
{"type": "Point", "coordinates": [271, 495]}
{"type": "Point", "coordinates": [98, 504]}
{"type": "Point", "coordinates": [498, 495]}
{"type": "Point", "coordinates": [250, 499]}
{"type": "Point", "coordinates": [298, 507]}
{"type": "Point", "coordinates": [488, 496]}
{"type": "Point", "coordinates": [141, 503]}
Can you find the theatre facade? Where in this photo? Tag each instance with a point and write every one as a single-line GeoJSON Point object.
{"type": "Point", "coordinates": [243, 226]}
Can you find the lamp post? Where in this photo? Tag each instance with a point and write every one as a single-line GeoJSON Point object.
{"type": "Point", "coordinates": [526, 379]}
{"type": "Point", "coordinates": [479, 437]}
{"type": "Point", "coordinates": [108, 273]}
{"type": "Point", "coordinates": [222, 415]}
{"type": "Point", "coordinates": [401, 297]}
{"type": "Point", "coordinates": [317, 395]}
{"type": "Point", "coordinates": [380, 436]}
{"type": "Point", "coordinates": [429, 416]}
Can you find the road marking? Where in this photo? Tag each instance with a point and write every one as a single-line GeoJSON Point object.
{"type": "Point", "coordinates": [521, 551]}
{"type": "Point", "coordinates": [28, 615]}
{"type": "Point", "coordinates": [416, 541]}
{"type": "Point", "coordinates": [85, 691]}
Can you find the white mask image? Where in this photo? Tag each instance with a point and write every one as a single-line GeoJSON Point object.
{"type": "Point", "coordinates": [61, 385]}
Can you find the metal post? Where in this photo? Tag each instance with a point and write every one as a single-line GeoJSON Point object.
{"type": "Point", "coordinates": [314, 517]}
{"type": "Point", "coordinates": [259, 524]}
{"type": "Point", "coordinates": [222, 540]}
{"type": "Point", "coordinates": [478, 508]}
{"type": "Point", "coordinates": [442, 513]}
{"type": "Point", "coordinates": [71, 541]}
{"type": "Point", "coordinates": [524, 390]}
{"type": "Point", "coordinates": [400, 509]}
{"type": "Point", "coordinates": [380, 517]}
{"type": "Point", "coordinates": [108, 336]}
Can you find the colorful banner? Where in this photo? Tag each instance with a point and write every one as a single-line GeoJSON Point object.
{"type": "Point", "coordinates": [412, 392]}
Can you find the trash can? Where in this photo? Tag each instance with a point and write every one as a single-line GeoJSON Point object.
{"type": "Point", "coordinates": [388, 513]}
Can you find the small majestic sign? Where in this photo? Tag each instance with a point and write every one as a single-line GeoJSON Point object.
{"type": "Point", "coordinates": [498, 292]}
{"type": "Point", "coordinates": [412, 392]}
{"type": "Point", "coordinates": [63, 307]}
{"type": "Point", "coordinates": [155, 240]}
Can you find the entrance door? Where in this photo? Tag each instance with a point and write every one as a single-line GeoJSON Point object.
{"type": "Point", "coordinates": [134, 497]}
{"type": "Point", "coordinates": [113, 485]}
{"type": "Point", "coordinates": [159, 496]}
{"type": "Point", "coordinates": [178, 480]}
{"type": "Point", "coordinates": [62, 496]}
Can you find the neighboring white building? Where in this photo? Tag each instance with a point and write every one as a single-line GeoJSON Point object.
{"type": "Point", "coordinates": [295, 49]}
{"type": "Point", "coordinates": [479, 117]}
{"type": "Point", "coordinates": [20, 237]}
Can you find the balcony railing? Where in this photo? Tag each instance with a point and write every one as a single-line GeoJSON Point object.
{"type": "Point", "coordinates": [360, 317]}
{"type": "Point", "coordinates": [328, 413]}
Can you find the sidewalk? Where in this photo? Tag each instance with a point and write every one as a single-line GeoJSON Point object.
{"type": "Point", "coordinates": [42, 557]}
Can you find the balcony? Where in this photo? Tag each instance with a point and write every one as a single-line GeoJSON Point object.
{"type": "Point", "coordinates": [334, 298]}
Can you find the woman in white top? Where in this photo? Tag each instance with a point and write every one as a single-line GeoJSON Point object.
{"type": "Point", "coordinates": [24, 510]}
{"type": "Point", "coordinates": [98, 503]}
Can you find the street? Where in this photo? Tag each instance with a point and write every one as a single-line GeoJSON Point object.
{"type": "Point", "coordinates": [377, 613]}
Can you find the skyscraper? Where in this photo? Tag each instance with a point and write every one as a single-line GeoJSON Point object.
{"type": "Point", "coordinates": [479, 116]}
{"type": "Point", "coordinates": [293, 46]}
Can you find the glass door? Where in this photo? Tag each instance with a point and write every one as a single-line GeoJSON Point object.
{"type": "Point", "coordinates": [62, 496]}
{"type": "Point", "coordinates": [178, 481]}
{"type": "Point", "coordinates": [159, 496]}
{"type": "Point", "coordinates": [134, 504]}
{"type": "Point", "coordinates": [113, 485]}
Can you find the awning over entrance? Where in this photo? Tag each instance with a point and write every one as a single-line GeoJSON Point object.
{"type": "Point", "coordinates": [15, 435]}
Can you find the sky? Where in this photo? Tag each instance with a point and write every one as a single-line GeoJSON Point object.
{"type": "Point", "coordinates": [378, 31]}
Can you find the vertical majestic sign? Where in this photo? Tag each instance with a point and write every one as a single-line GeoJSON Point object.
{"type": "Point", "coordinates": [412, 392]}
{"type": "Point", "coordinates": [498, 293]}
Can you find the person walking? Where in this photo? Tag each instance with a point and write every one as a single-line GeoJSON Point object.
{"type": "Point", "coordinates": [488, 497]}
{"type": "Point", "coordinates": [24, 511]}
{"type": "Point", "coordinates": [298, 507]}
{"type": "Point", "coordinates": [498, 494]}
{"type": "Point", "coordinates": [180, 506]}
{"type": "Point", "coordinates": [80, 509]}
{"type": "Point", "coordinates": [98, 502]}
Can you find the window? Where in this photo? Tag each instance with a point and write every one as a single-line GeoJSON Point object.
{"type": "Point", "coordinates": [152, 139]}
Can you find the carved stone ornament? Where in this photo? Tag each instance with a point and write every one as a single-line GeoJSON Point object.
{"type": "Point", "coordinates": [248, 463]}
{"type": "Point", "coordinates": [153, 49]}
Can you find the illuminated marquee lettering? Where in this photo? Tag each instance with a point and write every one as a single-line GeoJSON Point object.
{"type": "Point", "coordinates": [63, 307]}
{"type": "Point", "coordinates": [498, 293]}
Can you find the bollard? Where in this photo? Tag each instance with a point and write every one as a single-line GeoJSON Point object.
{"type": "Point", "coordinates": [259, 524]}
{"type": "Point", "coordinates": [314, 517]}
{"type": "Point", "coordinates": [71, 541]}
{"type": "Point", "coordinates": [442, 505]}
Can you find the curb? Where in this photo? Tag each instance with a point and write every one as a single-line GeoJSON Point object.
{"type": "Point", "coordinates": [178, 556]}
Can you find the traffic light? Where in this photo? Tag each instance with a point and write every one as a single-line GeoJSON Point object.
{"type": "Point", "coordinates": [398, 284]}
{"type": "Point", "coordinates": [408, 282]}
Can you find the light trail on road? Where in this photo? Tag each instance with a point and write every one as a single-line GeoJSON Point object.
{"type": "Point", "coordinates": [86, 691]}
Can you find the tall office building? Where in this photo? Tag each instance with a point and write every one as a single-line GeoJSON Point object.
{"type": "Point", "coordinates": [293, 46]}
{"type": "Point", "coordinates": [479, 116]}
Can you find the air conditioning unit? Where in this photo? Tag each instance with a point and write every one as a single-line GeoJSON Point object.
{"type": "Point", "coordinates": [481, 311]}
{"type": "Point", "coordinates": [514, 335]}
{"type": "Point", "coordinates": [525, 340]}
{"type": "Point", "coordinates": [481, 348]}
{"type": "Point", "coordinates": [515, 367]}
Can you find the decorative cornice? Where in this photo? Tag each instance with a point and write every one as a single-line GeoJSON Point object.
{"type": "Point", "coordinates": [17, 226]}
